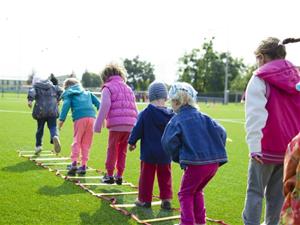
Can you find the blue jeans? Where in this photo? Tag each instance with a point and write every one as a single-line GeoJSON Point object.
{"type": "Point", "coordinates": [51, 123]}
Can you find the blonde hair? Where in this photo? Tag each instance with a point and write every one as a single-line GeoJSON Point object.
{"type": "Point", "coordinates": [273, 48]}
{"type": "Point", "coordinates": [184, 94]}
{"type": "Point", "coordinates": [70, 82]}
{"type": "Point", "coordinates": [113, 69]}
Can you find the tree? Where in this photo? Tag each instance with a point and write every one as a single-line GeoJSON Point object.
{"type": "Point", "coordinates": [240, 82]}
{"type": "Point", "coordinates": [90, 79]}
{"type": "Point", "coordinates": [140, 73]}
{"type": "Point", "coordinates": [204, 68]}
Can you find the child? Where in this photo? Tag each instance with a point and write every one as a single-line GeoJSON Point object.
{"type": "Point", "coordinates": [81, 103]}
{"type": "Point", "coordinates": [119, 109]}
{"type": "Point", "coordinates": [45, 110]}
{"type": "Point", "coordinates": [197, 143]}
{"type": "Point", "coordinates": [149, 128]}
{"type": "Point", "coordinates": [290, 213]}
{"type": "Point", "coordinates": [272, 109]}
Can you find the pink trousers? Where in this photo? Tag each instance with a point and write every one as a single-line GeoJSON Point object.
{"type": "Point", "coordinates": [191, 197]}
{"type": "Point", "coordinates": [116, 152]}
{"type": "Point", "coordinates": [147, 176]}
{"type": "Point", "coordinates": [82, 139]}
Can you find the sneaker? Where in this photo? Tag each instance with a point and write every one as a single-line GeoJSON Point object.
{"type": "Point", "coordinates": [72, 170]}
{"type": "Point", "coordinates": [118, 180]}
{"type": "Point", "coordinates": [56, 143]}
{"type": "Point", "coordinates": [143, 204]}
{"type": "Point", "coordinates": [108, 179]}
{"type": "Point", "coordinates": [38, 150]}
{"type": "Point", "coordinates": [81, 170]}
{"type": "Point", "coordinates": [166, 204]}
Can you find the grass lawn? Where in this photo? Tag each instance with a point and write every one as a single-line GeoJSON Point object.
{"type": "Point", "coordinates": [32, 195]}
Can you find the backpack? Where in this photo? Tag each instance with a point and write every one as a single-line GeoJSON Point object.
{"type": "Point", "coordinates": [45, 103]}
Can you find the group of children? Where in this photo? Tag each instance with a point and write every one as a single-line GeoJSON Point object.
{"type": "Point", "coordinates": [181, 134]}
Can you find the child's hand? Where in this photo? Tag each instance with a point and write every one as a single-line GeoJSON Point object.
{"type": "Point", "coordinates": [258, 159]}
{"type": "Point", "coordinates": [60, 124]}
{"type": "Point", "coordinates": [132, 147]}
{"type": "Point", "coordinates": [29, 104]}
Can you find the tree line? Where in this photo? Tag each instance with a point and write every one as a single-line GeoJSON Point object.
{"type": "Point", "coordinates": [203, 67]}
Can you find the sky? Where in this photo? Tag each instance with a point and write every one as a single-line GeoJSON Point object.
{"type": "Point", "coordinates": [62, 36]}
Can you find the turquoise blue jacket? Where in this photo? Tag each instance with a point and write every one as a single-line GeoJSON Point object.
{"type": "Point", "coordinates": [80, 101]}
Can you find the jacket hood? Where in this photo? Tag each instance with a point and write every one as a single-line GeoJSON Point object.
{"type": "Point", "coordinates": [280, 73]}
{"type": "Point", "coordinates": [73, 90]}
{"type": "Point", "coordinates": [160, 116]}
{"type": "Point", "coordinates": [43, 84]}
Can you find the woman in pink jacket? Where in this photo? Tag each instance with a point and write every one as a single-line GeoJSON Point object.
{"type": "Point", "coordinates": [119, 109]}
{"type": "Point", "coordinates": [272, 108]}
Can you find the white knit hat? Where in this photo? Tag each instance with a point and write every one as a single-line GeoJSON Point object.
{"type": "Point", "coordinates": [182, 86]}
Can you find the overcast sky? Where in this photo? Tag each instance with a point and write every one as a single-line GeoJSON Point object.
{"type": "Point", "coordinates": [59, 36]}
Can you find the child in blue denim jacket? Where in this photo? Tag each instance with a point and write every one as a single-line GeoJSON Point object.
{"type": "Point", "coordinates": [197, 143]}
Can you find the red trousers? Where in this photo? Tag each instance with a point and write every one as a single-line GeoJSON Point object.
{"type": "Point", "coordinates": [146, 182]}
{"type": "Point", "coordinates": [116, 152]}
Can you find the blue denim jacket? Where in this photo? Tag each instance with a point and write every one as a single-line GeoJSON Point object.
{"type": "Point", "coordinates": [193, 138]}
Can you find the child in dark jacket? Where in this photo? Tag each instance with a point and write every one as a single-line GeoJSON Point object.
{"type": "Point", "coordinates": [149, 129]}
{"type": "Point", "coordinates": [45, 110]}
{"type": "Point", "coordinates": [196, 142]}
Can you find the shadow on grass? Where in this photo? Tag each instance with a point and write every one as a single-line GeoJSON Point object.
{"type": "Point", "coordinates": [21, 167]}
{"type": "Point", "coordinates": [66, 188]}
{"type": "Point", "coordinates": [104, 215]}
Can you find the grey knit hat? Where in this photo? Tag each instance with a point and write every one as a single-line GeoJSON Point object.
{"type": "Point", "coordinates": [157, 90]}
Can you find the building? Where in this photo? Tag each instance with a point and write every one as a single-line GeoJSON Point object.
{"type": "Point", "coordinates": [13, 85]}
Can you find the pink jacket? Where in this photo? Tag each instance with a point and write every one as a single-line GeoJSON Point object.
{"type": "Point", "coordinates": [280, 116]}
{"type": "Point", "coordinates": [122, 110]}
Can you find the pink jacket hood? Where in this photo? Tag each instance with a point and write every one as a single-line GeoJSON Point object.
{"type": "Point", "coordinates": [280, 73]}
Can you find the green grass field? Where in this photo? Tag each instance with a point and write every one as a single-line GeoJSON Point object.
{"type": "Point", "coordinates": [32, 195]}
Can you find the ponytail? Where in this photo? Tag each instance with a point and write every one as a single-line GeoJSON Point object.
{"type": "Point", "coordinates": [290, 40]}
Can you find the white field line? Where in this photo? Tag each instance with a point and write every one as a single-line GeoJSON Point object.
{"type": "Point", "coordinates": [14, 111]}
{"type": "Point", "coordinates": [238, 121]}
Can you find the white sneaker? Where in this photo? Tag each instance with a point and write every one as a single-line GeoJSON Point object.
{"type": "Point", "coordinates": [38, 150]}
{"type": "Point", "coordinates": [56, 144]}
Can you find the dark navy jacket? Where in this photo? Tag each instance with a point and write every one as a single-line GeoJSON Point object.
{"type": "Point", "coordinates": [149, 129]}
{"type": "Point", "coordinates": [193, 138]}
